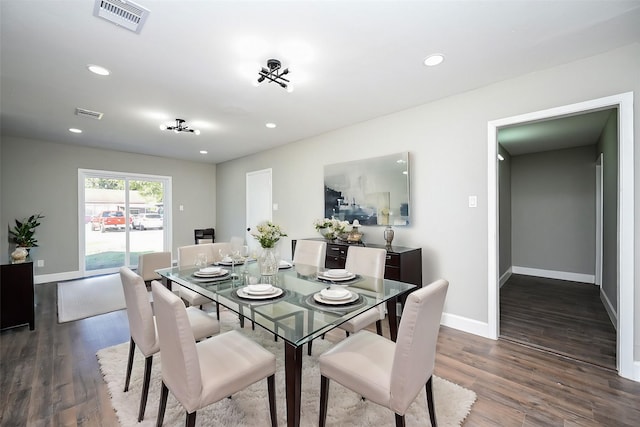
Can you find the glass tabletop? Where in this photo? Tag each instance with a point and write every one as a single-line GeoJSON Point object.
{"type": "Point", "coordinates": [299, 309]}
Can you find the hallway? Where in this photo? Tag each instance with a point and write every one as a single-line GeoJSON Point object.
{"type": "Point", "coordinates": [562, 317]}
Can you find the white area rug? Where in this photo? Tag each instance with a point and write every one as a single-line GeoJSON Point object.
{"type": "Point", "coordinates": [251, 408]}
{"type": "Point", "coordinates": [84, 298]}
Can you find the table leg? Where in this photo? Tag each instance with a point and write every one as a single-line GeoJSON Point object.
{"type": "Point", "coordinates": [293, 377]}
{"type": "Point", "coordinates": [393, 318]}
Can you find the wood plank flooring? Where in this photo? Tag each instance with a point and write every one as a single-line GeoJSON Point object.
{"type": "Point", "coordinates": [50, 377]}
{"type": "Point", "coordinates": [559, 316]}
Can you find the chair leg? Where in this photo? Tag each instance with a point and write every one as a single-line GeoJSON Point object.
{"type": "Point", "coordinates": [379, 327]}
{"type": "Point", "coordinates": [324, 398]}
{"type": "Point", "coordinates": [400, 420]}
{"type": "Point", "coordinates": [164, 393]}
{"type": "Point", "coordinates": [191, 419]}
{"type": "Point", "coordinates": [132, 350]}
{"type": "Point", "coordinates": [309, 348]}
{"type": "Point", "coordinates": [430, 405]}
{"type": "Point", "coordinates": [148, 362]}
{"type": "Point", "coordinates": [271, 387]}
{"type": "Point", "coordinates": [218, 311]}
{"type": "Point", "coordinates": [347, 332]}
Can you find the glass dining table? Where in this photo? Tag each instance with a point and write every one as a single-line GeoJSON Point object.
{"type": "Point", "coordinates": [297, 311]}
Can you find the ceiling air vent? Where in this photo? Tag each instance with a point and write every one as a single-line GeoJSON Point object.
{"type": "Point", "coordinates": [123, 13]}
{"type": "Point", "coordinates": [89, 114]}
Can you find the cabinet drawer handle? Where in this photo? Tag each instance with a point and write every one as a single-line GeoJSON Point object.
{"type": "Point", "coordinates": [335, 249]}
{"type": "Point", "coordinates": [388, 256]}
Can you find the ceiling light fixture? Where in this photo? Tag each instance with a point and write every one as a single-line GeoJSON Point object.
{"type": "Point", "coordinates": [96, 69]}
{"type": "Point", "coordinates": [180, 127]}
{"type": "Point", "coordinates": [271, 125]}
{"type": "Point", "coordinates": [435, 59]}
{"type": "Point", "coordinates": [274, 73]}
{"type": "Point", "coordinates": [75, 130]}
{"type": "Point", "coordinates": [204, 152]}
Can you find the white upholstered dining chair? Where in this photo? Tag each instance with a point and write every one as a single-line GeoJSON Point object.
{"type": "Point", "coordinates": [310, 252]}
{"type": "Point", "coordinates": [149, 263]}
{"type": "Point", "coordinates": [199, 374]}
{"type": "Point", "coordinates": [143, 331]}
{"type": "Point", "coordinates": [387, 373]}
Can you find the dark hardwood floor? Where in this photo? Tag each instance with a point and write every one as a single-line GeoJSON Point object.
{"type": "Point", "coordinates": [559, 316]}
{"type": "Point", "coordinates": [50, 377]}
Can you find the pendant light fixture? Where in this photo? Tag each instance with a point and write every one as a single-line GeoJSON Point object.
{"type": "Point", "coordinates": [180, 127]}
{"type": "Point", "coordinates": [274, 73]}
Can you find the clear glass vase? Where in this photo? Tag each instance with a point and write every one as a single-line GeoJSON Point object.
{"type": "Point", "coordinates": [268, 261]}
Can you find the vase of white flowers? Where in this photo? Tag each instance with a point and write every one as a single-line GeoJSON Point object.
{"type": "Point", "coordinates": [330, 229]}
{"type": "Point", "coordinates": [268, 234]}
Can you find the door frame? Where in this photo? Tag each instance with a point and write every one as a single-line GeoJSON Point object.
{"type": "Point", "coordinates": [167, 203]}
{"type": "Point", "coordinates": [626, 280]}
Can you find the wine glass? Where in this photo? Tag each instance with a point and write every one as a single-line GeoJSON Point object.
{"type": "Point", "coordinates": [201, 260]}
{"type": "Point", "coordinates": [244, 253]}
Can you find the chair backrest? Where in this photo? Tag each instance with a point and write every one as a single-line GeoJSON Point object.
{"type": "Point", "coordinates": [415, 352]}
{"type": "Point", "coordinates": [187, 254]}
{"type": "Point", "coordinates": [310, 252]}
{"type": "Point", "coordinates": [149, 263]}
{"type": "Point", "coordinates": [141, 324]}
{"type": "Point", "coordinates": [180, 365]}
{"type": "Point", "coordinates": [220, 248]}
{"type": "Point", "coordinates": [204, 235]}
{"type": "Point", "coordinates": [368, 262]}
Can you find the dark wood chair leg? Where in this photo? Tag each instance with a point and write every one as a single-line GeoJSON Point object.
{"type": "Point", "coordinates": [271, 387]}
{"type": "Point", "coordinates": [191, 420]}
{"type": "Point", "coordinates": [164, 393]}
{"type": "Point", "coordinates": [400, 420]}
{"type": "Point", "coordinates": [218, 311]}
{"type": "Point", "coordinates": [430, 405]}
{"type": "Point", "coordinates": [347, 332]}
{"type": "Point", "coordinates": [132, 350]}
{"type": "Point", "coordinates": [309, 348]}
{"type": "Point", "coordinates": [148, 362]}
{"type": "Point", "coordinates": [379, 327]}
{"type": "Point", "coordinates": [324, 398]}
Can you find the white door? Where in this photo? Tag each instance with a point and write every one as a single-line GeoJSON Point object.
{"type": "Point", "coordinates": [259, 201]}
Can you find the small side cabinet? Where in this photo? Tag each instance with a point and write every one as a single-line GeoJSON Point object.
{"type": "Point", "coordinates": [17, 295]}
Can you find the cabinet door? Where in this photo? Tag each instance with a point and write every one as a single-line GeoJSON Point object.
{"type": "Point", "coordinates": [336, 256]}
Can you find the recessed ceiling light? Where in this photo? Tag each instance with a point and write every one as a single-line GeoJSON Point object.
{"type": "Point", "coordinates": [204, 152]}
{"type": "Point", "coordinates": [500, 157]}
{"type": "Point", "coordinates": [74, 130]}
{"type": "Point", "coordinates": [96, 69]}
{"type": "Point", "coordinates": [271, 125]}
{"type": "Point", "coordinates": [434, 59]}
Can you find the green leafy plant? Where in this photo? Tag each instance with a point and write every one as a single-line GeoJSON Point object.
{"type": "Point", "coordinates": [23, 232]}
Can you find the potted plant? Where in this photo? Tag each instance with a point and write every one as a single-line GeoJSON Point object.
{"type": "Point", "coordinates": [24, 231]}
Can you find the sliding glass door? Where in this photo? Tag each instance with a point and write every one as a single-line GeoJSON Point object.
{"type": "Point", "coordinates": [121, 217]}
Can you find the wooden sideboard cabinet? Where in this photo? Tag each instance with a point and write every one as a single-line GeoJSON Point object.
{"type": "Point", "coordinates": [17, 295]}
{"type": "Point", "coordinates": [403, 264]}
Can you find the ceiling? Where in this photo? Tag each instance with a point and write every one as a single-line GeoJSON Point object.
{"type": "Point", "coordinates": [350, 61]}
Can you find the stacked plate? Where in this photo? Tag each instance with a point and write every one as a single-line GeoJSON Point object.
{"type": "Point", "coordinates": [284, 265]}
{"type": "Point", "coordinates": [335, 296]}
{"type": "Point", "coordinates": [208, 272]}
{"type": "Point", "coordinates": [227, 261]}
{"type": "Point", "coordinates": [336, 275]}
{"type": "Point", "coordinates": [259, 291]}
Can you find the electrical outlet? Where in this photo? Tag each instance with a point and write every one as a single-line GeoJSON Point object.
{"type": "Point", "coordinates": [40, 263]}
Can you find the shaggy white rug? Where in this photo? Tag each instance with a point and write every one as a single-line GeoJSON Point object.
{"type": "Point", "coordinates": [250, 407]}
{"type": "Point", "coordinates": [79, 299]}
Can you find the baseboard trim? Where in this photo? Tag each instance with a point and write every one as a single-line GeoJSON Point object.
{"type": "Point", "coordinates": [56, 277]}
{"type": "Point", "coordinates": [507, 274]}
{"type": "Point", "coordinates": [613, 315]}
{"type": "Point", "coordinates": [465, 324]}
{"type": "Point", "coordinates": [552, 274]}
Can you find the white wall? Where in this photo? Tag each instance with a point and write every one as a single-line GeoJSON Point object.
{"type": "Point", "coordinates": [447, 141]}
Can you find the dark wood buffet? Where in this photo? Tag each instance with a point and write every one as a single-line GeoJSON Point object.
{"type": "Point", "coordinates": [17, 295]}
{"type": "Point", "coordinates": [403, 264]}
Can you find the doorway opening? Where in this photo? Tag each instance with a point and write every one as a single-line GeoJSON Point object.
{"type": "Point", "coordinates": [624, 316]}
{"type": "Point", "coordinates": [121, 217]}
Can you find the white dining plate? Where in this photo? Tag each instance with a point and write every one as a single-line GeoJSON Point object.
{"type": "Point", "coordinates": [335, 294]}
{"type": "Point", "coordinates": [197, 278]}
{"type": "Point", "coordinates": [284, 265]}
{"type": "Point", "coordinates": [260, 288]}
{"type": "Point", "coordinates": [319, 298]}
{"type": "Point", "coordinates": [337, 272]}
{"type": "Point", "coordinates": [210, 270]}
{"type": "Point", "coordinates": [242, 293]}
{"type": "Point", "coordinates": [336, 279]}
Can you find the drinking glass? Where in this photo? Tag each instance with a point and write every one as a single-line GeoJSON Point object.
{"type": "Point", "coordinates": [201, 260]}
